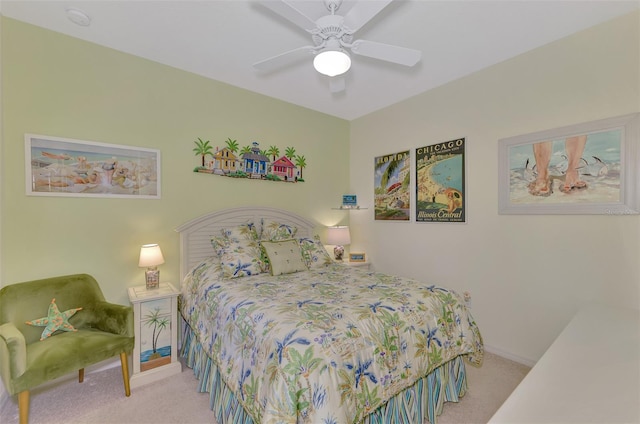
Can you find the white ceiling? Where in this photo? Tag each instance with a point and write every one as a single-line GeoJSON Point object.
{"type": "Point", "coordinates": [222, 39]}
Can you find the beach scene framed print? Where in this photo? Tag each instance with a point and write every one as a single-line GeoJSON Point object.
{"type": "Point", "coordinates": [588, 168]}
{"type": "Point", "coordinates": [65, 167]}
{"type": "Point", "coordinates": [440, 182]}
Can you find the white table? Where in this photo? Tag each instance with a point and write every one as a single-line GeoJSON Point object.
{"type": "Point", "coordinates": [590, 374]}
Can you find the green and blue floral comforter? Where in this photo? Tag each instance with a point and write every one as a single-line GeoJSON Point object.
{"type": "Point", "coordinates": [328, 345]}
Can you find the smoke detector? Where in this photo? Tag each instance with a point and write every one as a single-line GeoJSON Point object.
{"type": "Point", "coordinates": [78, 17]}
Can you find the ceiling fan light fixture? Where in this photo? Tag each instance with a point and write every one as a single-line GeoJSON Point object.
{"type": "Point", "coordinates": [332, 62]}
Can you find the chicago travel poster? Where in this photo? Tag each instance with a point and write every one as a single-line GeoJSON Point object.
{"type": "Point", "coordinates": [440, 181]}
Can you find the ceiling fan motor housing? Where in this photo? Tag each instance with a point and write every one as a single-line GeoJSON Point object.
{"type": "Point", "coordinates": [329, 27]}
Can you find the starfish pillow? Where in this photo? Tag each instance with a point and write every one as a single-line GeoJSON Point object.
{"type": "Point", "coordinates": [55, 320]}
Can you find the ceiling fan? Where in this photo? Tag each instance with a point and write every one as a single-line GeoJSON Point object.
{"type": "Point", "coordinates": [333, 38]}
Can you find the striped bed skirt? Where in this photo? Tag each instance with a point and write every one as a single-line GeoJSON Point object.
{"type": "Point", "coordinates": [422, 401]}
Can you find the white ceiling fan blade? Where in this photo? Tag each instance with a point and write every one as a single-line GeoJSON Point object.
{"type": "Point", "coordinates": [289, 12]}
{"type": "Point", "coordinates": [387, 52]}
{"type": "Point", "coordinates": [284, 59]}
{"type": "Point", "coordinates": [337, 84]}
{"type": "Point", "coordinates": [362, 12]}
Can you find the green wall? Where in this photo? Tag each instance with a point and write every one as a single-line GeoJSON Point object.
{"type": "Point", "coordinates": [60, 86]}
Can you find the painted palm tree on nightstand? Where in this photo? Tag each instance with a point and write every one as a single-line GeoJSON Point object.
{"type": "Point", "coordinates": [158, 323]}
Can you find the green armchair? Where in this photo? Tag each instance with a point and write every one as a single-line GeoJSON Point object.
{"type": "Point", "coordinates": [103, 329]}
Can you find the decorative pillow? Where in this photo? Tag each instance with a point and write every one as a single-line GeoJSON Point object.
{"type": "Point", "coordinates": [285, 256]}
{"type": "Point", "coordinates": [313, 252]}
{"type": "Point", "coordinates": [275, 231]}
{"type": "Point", "coordinates": [240, 259]}
{"type": "Point", "coordinates": [219, 243]}
{"type": "Point", "coordinates": [266, 265]}
{"type": "Point", "coordinates": [55, 320]}
{"type": "Point", "coordinates": [240, 232]}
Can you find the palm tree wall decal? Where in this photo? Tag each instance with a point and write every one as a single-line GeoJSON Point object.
{"type": "Point", "coordinates": [290, 152]}
{"type": "Point", "coordinates": [274, 152]}
{"type": "Point", "coordinates": [301, 162]}
{"type": "Point", "coordinates": [250, 161]}
{"type": "Point", "coordinates": [202, 148]}
{"type": "Point", "coordinates": [232, 145]}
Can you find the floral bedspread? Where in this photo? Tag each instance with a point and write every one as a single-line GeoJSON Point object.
{"type": "Point", "coordinates": [327, 345]}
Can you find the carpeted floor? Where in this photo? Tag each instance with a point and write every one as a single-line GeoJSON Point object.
{"type": "Point", "coordinates": [174, 400]}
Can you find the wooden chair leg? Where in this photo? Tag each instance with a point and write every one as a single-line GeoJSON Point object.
{"type": "Point", "coordinates": [125, 373]}
{"type": "Point", "coordinates": [23, 406]}
{"type": "Point", "coordinates": [81, 375]}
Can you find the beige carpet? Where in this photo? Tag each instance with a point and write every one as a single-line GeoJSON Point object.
{"type": "Point", "coordinates": [100, 399]}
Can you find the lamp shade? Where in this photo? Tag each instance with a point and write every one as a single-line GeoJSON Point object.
{"type": "Point", "coordinates": [332, 62]}
{"type": "Point", "coordinates": [150, 255]}
{"type": "Point", "coordinates": [338, 236]}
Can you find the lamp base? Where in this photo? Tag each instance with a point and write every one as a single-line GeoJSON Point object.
{"type": "Point", "coordinates": [152, 278]}
{"type": "Point", "coordinates": [338, 253]}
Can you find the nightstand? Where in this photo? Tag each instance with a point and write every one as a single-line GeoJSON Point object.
{"type": "Point", "coordinates": [155, 353]}
{"type": "Point", "coordinates": [364, 264]}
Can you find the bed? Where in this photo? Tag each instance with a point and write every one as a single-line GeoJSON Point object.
{"type": "Point", "coordinates": [320, 342]}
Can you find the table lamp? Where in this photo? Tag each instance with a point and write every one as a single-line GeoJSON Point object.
{"type": "Point", "coordinates": [338, 236]}
{"type": "Point", "coordinates": [151, 257]}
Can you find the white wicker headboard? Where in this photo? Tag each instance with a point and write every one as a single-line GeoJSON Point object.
{"type": "Point", "coordinates": [195, 235]}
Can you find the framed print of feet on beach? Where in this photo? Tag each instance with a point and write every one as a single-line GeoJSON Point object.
{"type": "Point", "coordinates": [588, 168]}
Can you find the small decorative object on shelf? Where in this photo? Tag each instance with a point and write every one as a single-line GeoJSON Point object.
{"type": "Point", "coordinates": [349, 201]}
{"type": "Point", "coordinates": [356, 257]}
{"type": "Point", "coordinates": [151, 257]}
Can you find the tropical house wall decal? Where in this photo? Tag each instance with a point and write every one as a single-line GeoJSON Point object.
{"type": "Point", "coordinates": [250, 161]}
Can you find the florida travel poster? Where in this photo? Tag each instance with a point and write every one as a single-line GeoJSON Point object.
{"type": "Point", "coordinates": [440, 182]}
{"type": "Point", "coordinates": [391, 187]}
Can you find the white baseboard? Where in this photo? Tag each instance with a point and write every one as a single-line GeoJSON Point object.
{"type": "Point", "coordinates": [515, 358]}
{"type": "Point", "coordinates": [104, 365]}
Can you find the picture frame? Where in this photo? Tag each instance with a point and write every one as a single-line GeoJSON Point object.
{"type": "Point", "coordinates": [441, 182]}
{"type": "Point", "coordinates": [603, 155]}
{"type": "Point", "coordinates": [349, 201]}
{"type": "Point", "coordinates": [357, 257]}
{"type": "Point", "coordinates": [56, 166]}
{"type": "Point", "coordinates": [391, 182]}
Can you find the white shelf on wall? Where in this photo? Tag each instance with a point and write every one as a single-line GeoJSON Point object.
{"type": "Point", "coordinates": [349, 208]}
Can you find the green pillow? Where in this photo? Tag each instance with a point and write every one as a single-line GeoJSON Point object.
{"type": "Point", "coordinates": [285, 256]}
{"type": "Point", "coordinates": [55, 320]}
{"type": "Point", "coordinates": [275, 231]}
{"type": "Point", "coordinates": [314, 253]}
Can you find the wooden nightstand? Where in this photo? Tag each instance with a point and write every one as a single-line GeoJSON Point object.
{"type": "Point", "coordinates": [155, 353]}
